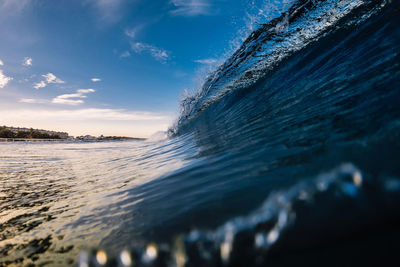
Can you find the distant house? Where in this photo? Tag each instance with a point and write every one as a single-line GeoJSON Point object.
{"type": "Point", "coordinates": [87, 138]}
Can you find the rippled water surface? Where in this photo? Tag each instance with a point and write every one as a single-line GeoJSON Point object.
{"type": "Point", "coordinates": [58, 198]}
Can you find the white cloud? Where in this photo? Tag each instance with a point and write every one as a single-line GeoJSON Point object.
{"type": "Point", "coordinates": [39, 85]}
{"type": "Point", "coordinates": [66, 98]}
{"type": "Point", "coordinates": [157, 53]}
{"type": "Point", "coordinates": [4, 80]}
{"type": "Point", "coordinates": [64, 101]}
{"type": "Point", "coordinates": [125, 54]}
{"type": "Point", "coordinates": [190, 8]}
{"type": "Point", "coordinates": [95, 80]}
{"type": "Point", "coordinates": [51, 78]}
{"type": "Point", "coordinates": [206, 61]}
{"type": "Point", "coordinates": [27, 61]}
{"type": "Point", "coordinates": [1, 63]}
{"type": "Point", "coordinates": [131, 32]}
{"type": "Point", "coordinates": [32, 101]}
{"type": "Point", "coordinates": [85, 91]}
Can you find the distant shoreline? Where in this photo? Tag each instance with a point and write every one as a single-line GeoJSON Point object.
{"type": "Point", "coordinates": [33, 140]}
{"type": "Point", "coordinates": [18, 134]}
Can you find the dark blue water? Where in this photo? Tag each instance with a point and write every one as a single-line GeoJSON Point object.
{"type": "Point", "coordinates": [288, 155]}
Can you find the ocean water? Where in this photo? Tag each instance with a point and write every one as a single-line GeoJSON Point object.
{"type": "Point", "coordinates": [288, 155]}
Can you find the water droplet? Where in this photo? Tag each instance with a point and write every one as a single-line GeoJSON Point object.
{"type": "Point", "coordinates": [101, 257]}
{"type": "Point", "coordinates": [259, 240]}
{"type": "Point", "coordinates": [180, 258]}
{"type": "Point", "coordinates": [357, 178]}
{"type": "Point", "coordinates": [272, 236]}
{"type": "Point", "coordinates": [180, 255]}
{"type": "Point", "coordinates": [226, 248]}
{"type": "Point", "coordinates": [125, 258]}
{"type": "Point", "coordinates": [150, 253]}
{"type": "Point", "coordinates": [83, 259]}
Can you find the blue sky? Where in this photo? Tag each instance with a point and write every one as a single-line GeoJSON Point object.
{"type": "Point", "coordinates": [113, 67]}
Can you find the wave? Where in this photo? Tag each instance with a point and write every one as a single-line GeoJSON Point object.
{"type": "Point", "coordinates": [305, 22]}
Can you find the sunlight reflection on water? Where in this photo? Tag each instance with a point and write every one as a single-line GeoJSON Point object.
{"type": "Point", "coordinates": [56, 197]}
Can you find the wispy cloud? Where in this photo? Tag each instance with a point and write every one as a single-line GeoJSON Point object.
{"type": "Point", "coordinates": [4, 80]}
{"type": "Point", "coordinates": [125, 54]}
{"type": "Point", "coordinates": [72, 102]}
{"type": "Point", "coordinates": [95, 80]}
{"type": "Point", "coordinates": [190, 8]}
{"type": "Point", "coordinates": [33, 101]}
{"type": "Point", "coordinates": [27, 61]}
{"type": "Point", "coordinates": [12, 4]}
{"type": "Point", "coordinates": [68, 96]}
{"type": "Point", "coordinates": [107, 10]}
{"type": "Point", "coordinates": [85, 91]}
{"type": "Point", "coordinates": [12, 7]}
{"type": "Point", "coordinates": [132, 32]}
{"type": "Point", "coordinates": [70, 99]}
{"type": "Point", "coordinates": [49, 78]}
{"type": "Point", "coordinates": [207, 61]}
{"type": "Point", "coordinates": [39, 85]}
{"type": "Point", "coordinates": [1, 63]}
{"type": "Point", "coordinates": [137, 47]}
{"type": "Point", "coordinates": [159, 54]}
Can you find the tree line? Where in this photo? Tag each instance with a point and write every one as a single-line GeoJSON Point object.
{"type": "Point", "coordinates": [31, 134]}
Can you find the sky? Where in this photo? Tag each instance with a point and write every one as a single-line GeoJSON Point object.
{"type": "Point", "coordinates": [111, 67]}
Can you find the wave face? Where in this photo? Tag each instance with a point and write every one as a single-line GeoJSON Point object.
{"type": "Point", "coordinates": [288, 155]}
